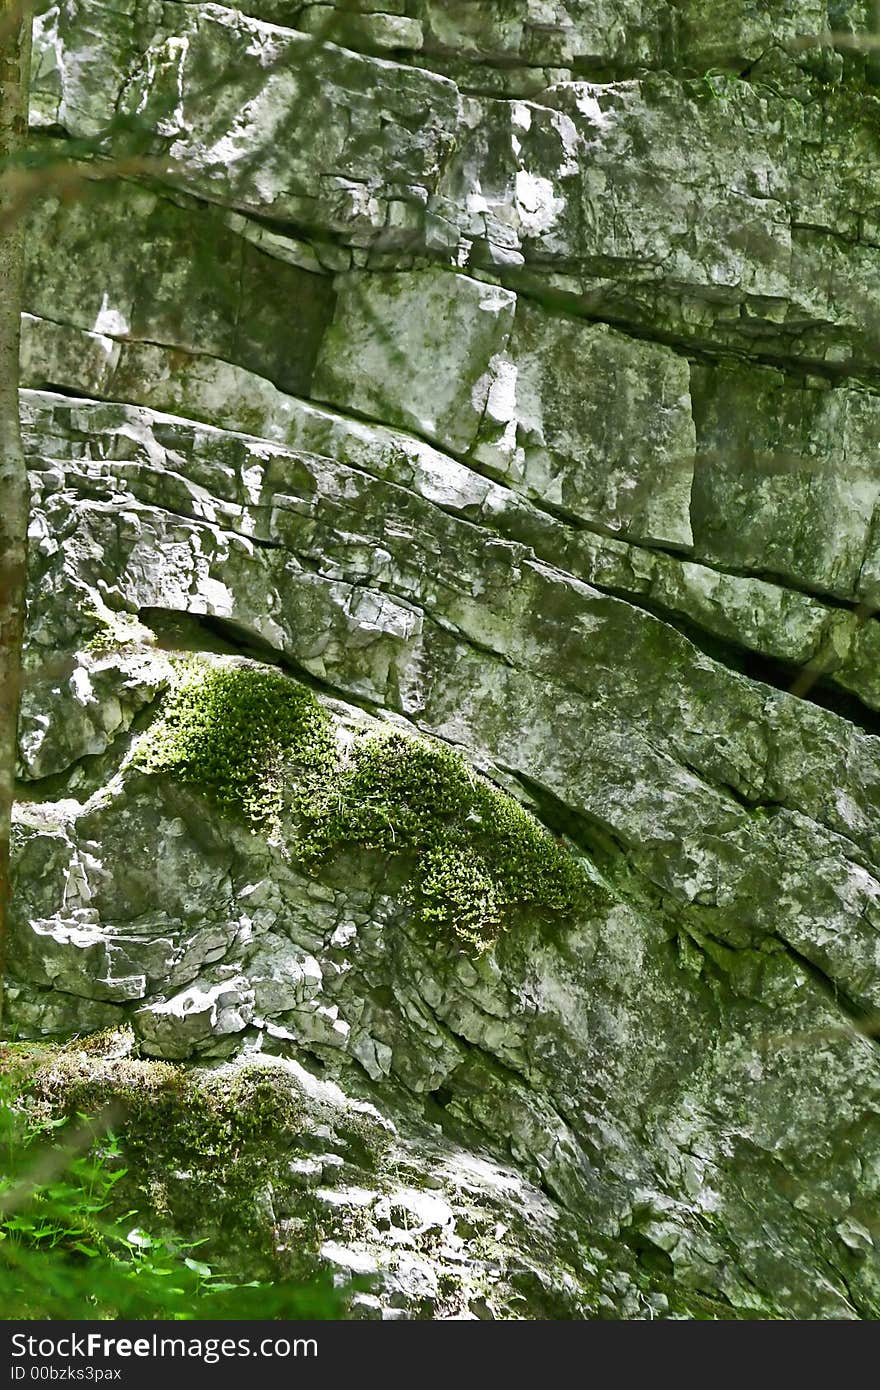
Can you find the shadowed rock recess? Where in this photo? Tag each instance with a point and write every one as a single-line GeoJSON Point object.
{"type": "Point", "coordinates": [442, 465]}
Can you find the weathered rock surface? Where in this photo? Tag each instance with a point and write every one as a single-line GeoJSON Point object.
{"type": "Point", "coordinates": [506, 373]}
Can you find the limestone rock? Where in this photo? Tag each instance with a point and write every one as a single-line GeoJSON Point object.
{"type": "Point", "coordinates": [435, 372]}
{"type": "Point", "coordinates": [506, 377]}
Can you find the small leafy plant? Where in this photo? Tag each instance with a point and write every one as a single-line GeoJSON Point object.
{"type": "Point", "coordinates": [65, 1254]}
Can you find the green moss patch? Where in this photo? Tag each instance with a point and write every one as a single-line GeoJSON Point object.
{"type": "Point", "coordinates": [193, 1156]}
{"type": "Point", "coordinates": [237, 731]}
{"type": "Point", "coordinates": [221, 1131]}
{"type": "Point", "coordinates": [479, 856]}
{"type": "Point", "coordinates": [257, 741]}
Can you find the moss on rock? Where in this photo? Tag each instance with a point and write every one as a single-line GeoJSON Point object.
{"type": "Point", "coordinates": [479, 856]}
{"type": "Point", "coordinates": [235, 730]}
{"type": "Point", "coordinates": [196, 1156]}
{"type": "Point", "coordinates": [246, 733]}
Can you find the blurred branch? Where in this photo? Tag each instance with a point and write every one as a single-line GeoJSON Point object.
{"type": "Point", "coordinates": [779, 1042]}
{"type": "Point", "coordinates": [10, 21]}
{"type": "Point", "coordinates": [50, 1165]}
{"type": "Point", "coordinates": [66, 178]}
{"type": "Point", "coordinates": [23, 184]}
{"type": "Point", "coordinates": [822, 663]}
{"type": "Point", "coordinates": [865, 43]}
{"type": "Point", "coordinates": [770, 462]}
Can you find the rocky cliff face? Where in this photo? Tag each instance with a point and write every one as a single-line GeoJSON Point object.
{"type": "Point", "coordinates": [505, 375]}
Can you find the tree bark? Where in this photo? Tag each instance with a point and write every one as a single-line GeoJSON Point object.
{"type": "Point", "coordinates": [15, 44]}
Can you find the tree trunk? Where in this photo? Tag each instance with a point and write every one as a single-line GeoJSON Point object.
{"type": "Point", "coordinates": [15, 44]}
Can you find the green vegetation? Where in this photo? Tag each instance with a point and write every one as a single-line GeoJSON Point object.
{"type": "Point", "coordinates": [112, 630]}
{"type": "Point", "coordinates": [250, 736]}
{"type": "Point", "coordinates": [70, 1247]}
{"type": "Point", "coordinates": [479, 856]}
{"type": "Point", "coordinates": [235, 731]}
{"type": "Point", "coordinates": [226, 1131]}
